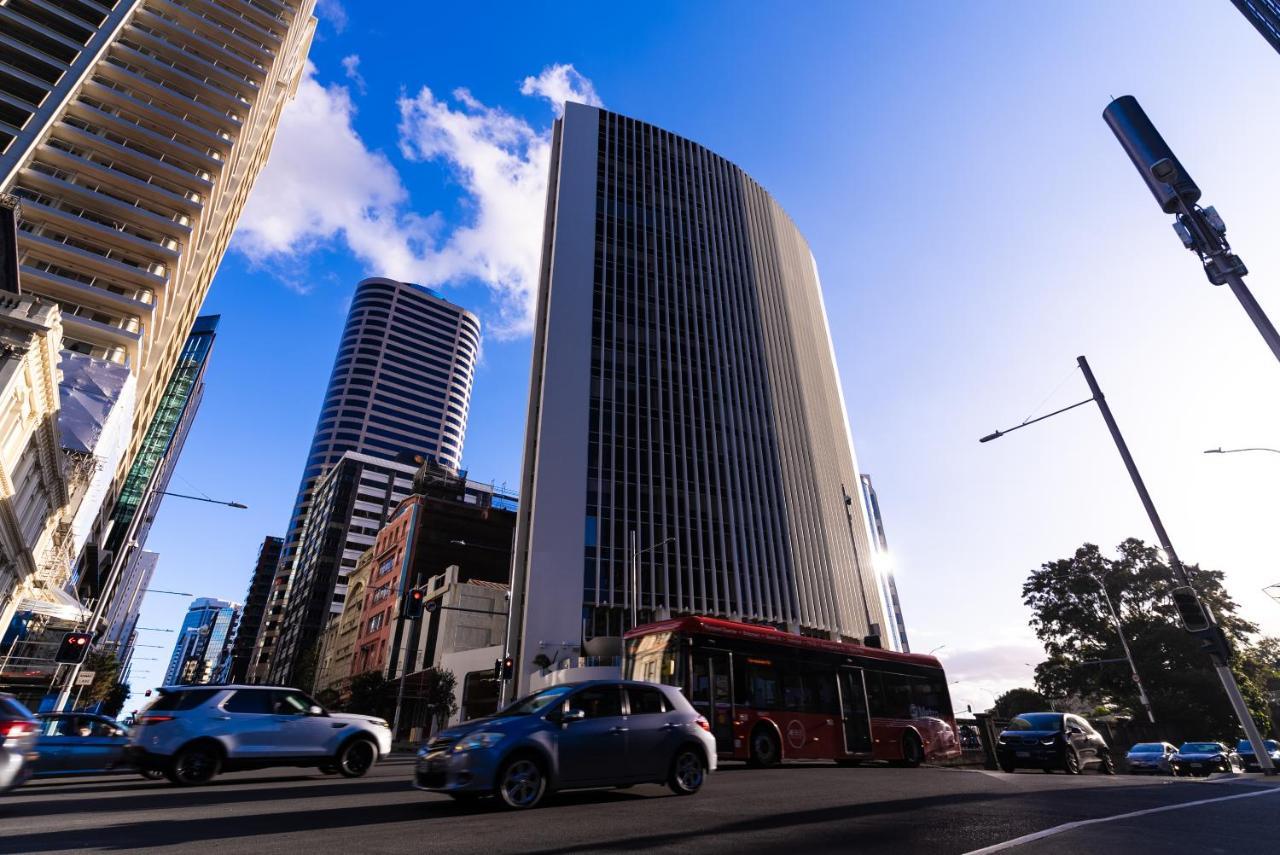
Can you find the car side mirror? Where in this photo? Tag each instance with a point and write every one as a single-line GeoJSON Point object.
{"type": "Point", "coordinates": [1074, 731]}
{"type": "Point", "coordinates": [315, 709]}
{"type": "Point", "coordinates": [572, 715]}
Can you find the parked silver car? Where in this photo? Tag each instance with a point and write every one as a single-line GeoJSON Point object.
{"type": "Point", "coordinates": [592, 734]}
{"type": "Point", "coordinates": [17, 742]}
{"type": "Point", "coordinates": [1150, 758]}
{"type": "Point", "coordinates": [191, 733]}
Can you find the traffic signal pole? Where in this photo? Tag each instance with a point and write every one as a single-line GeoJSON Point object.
{"type": "Point", "coordinates": [1215, 642]}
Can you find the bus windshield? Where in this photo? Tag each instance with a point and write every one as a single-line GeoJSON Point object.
{"type": "Point", "coordinates": [655, 658]}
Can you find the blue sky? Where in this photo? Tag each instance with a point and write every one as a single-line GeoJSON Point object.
{"type": "Point", "coordinates": [975, 225]}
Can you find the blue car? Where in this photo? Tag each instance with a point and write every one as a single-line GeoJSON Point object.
{"type": "Point", "coordinates": [602, 733]}
{"type": "Point", "coordinates": [1250, 760]}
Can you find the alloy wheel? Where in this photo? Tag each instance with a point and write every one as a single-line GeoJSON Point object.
{"type": "Point", "coordinates": [689, 772]}
{"type": "Point", "coordinates": [522, 784]}
{"type": "Point", "coordinates": [357, 759]}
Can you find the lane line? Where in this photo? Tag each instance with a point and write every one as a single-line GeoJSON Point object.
{"type": "Point", "coordinates": [1070, 826]}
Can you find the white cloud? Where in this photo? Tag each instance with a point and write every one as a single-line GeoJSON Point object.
{"type": "Point", "coordinates": [351, 67]}
{"type": "Point", "coordinates": [323, 186]}
{"type": "Point", "coordinates": [322, 183]}
{"type": "Point", "coordinates": [334, 12]}
{"type": "Point", "coordinates": [560, 83]}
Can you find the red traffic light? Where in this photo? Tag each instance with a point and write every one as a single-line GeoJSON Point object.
{"type": "Point", "coordinates": [73, 648]}
{"type": "Point", "coordinates": [416, 594]}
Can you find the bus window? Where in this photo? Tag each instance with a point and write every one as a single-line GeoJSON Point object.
{"type": "Point", "coordinates": [897, 695]}
{"type": "Point", "coordinates": [929, 697]}
{"type": "Point", "coordinates": [822, 690]}
{"type": "Point", "coordinates": [655, 659]}
{"type": "Point", "coordinates": [762, 685]}
{"type": "Point", "coordinates": [875, 694]}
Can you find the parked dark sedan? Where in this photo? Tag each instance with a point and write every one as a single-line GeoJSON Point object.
{"type": "Point", "coordinates": [1250, 760]}
{"type": "Point", "coordinates": [592, 734]}
{"type": "Point", "coordinates": [1050, 741]}
{"type": "Point", "coordinates": [1203, 758]}
{"type": "Point", "coordinates": [78, 743]}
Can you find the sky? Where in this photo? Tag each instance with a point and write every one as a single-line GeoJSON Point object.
{"type": "Point", "coordinates": [975, 225]}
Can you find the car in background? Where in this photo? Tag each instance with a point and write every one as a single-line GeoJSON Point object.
{"type": "Point", "coordinates": [1052, 741]}
{"type": "Point", "coordinates": [191, 733]}
{"type": "Point", "coordinates": [1150, 758]}
{"type": "Point", "coordinates": [1250, 760]}
{"type": "Point", "coordinates": [599, 733]}
{"type": "Point", "coordinates": [17, 742]}
{"type": "Point", "coordinates": [1204, 758]}
{"type": "Point", "coordinates": [79, 743]}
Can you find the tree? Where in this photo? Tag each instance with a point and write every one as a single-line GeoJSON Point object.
{"type": "Point", "coordinates": [437, 694]}
{"type": "Point", "coordinates": [1070, 617]}
{"type": "Point", "coordinates": [1017, 701]}
{"type": "Point", "coordinates": [114, 701]}
{"type": "Point", "coordinates": [372, 694]}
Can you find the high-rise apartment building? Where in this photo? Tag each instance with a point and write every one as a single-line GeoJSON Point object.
{"type": "Point", "coordinates": [202, 653]}
{"type": "Point", "coordinates": [255, 606]}
{"type": "Point", "coordinates": [121, 619]}
{"type": "Point", "coordinates": [687, 449]}
{"type": "Point", "coordinates": [400, 388]}
{"type": "Point", "coordinates": [132, 131]}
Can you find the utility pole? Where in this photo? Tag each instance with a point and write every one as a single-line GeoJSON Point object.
{"type": "Point", "coordinates": [1128, 654]}
{"type": "Point", "coordinates": [1212, 639]}
{"type": "Point", "coordinates": [1201, 230]}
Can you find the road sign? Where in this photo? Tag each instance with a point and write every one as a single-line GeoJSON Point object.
{"type": "Point", "coordinates": [85, 678]}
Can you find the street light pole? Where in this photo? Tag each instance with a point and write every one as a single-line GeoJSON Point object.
{"type": "Point", "coordinates": [1214, 640]}
{"type": "Point", "coordinates": [1238, 450]}
{"type": "Point", "coordinates": [635, 572]}
{"type": "Point", "coordinates": [108, 589]}
{"type": "Point", "coordinates": [1128, 654]}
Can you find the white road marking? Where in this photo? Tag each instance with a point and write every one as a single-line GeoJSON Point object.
{"type": "Point", "coordinates": [1059, 829]}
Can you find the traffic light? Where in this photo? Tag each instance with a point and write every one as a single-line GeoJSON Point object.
{"type": "Point", "coordinates": [413, 605]}
{"type": "Point", "coordinates": [1194, 618]}
{"type": "Point", "coordinates": [507, 668]}
{"type": "Point", "coordinates": [74, 647]}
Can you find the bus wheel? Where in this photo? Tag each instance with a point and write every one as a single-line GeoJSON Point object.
{"type": "Point", "coordinates": [765, 749]}
{"type": "Point", "coordinates": [912, 751]}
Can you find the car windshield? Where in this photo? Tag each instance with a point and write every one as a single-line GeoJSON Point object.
{"type": "Point", "coordinates": [1200, 748]}
{"type": "Point", "coordinates": [1037, 721]}
{"type": "Point", "coordinates": [1147, 748]}
{"type": "Point", "coordinates": [537, 702]}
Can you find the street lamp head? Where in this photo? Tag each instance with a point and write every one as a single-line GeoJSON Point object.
{"type": "Point", "coordinates": [1214, 450]}
{"type": "Point", "coordinates": [237, 505]}
{"type": "Point", "coordinates": [992, 436]}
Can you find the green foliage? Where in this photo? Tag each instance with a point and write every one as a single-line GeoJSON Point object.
{"type": "Point", "coordinates": [114, 701]}
{"type": "Point", "coordinates": [1070, 617]}
{"type": "Point", "coordinates": [438, 690]}
{"type": "Point", "coordinates": [372, 694]}
{"type": "Point", "coordinates": [106, 670]}
{"type": "Point", "coordinates": [1017, 701]}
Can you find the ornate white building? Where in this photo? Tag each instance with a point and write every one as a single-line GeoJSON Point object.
{"type": "Point", "coordinates": [34, 536]}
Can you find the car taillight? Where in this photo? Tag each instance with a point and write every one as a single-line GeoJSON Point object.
{"type": "Point", "coordinates": [154, 719]}
{"type": "Point", "coordinates": [16, 727]}
{"type": "Point", "coordinates": [703, 723]}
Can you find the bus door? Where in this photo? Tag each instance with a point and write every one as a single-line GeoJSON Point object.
{"type": "Point", "coordinates": [853, 709]}
{"type": "Point", "coordinates": [712, 694]}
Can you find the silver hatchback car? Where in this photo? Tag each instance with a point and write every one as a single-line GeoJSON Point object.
{"type": "Point", "coordinates": [603, 733]}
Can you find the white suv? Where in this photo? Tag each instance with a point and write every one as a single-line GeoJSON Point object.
{"type": "Point", "coordinates": [190, 733]}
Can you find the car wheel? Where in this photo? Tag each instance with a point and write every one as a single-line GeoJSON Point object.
{"type": "Point", "coordinates": [688, 771]}
{"type": "Point", "coordinates": [1108, 766]}
{"type": "Point", "coordinates": [521, 783]}
{"type": "Point", "coordinates": [1071, 762]}
{"type": "Point", "coordinates": [356, 757]}
{"type": "Point", "coordinates": [765, 749]}
{"type": "Point", "coordinates": [912, 751]}
{"type": "Point", "coordinates": [195, 764]}
{"type": "Point", "coordinates": [151, 774]}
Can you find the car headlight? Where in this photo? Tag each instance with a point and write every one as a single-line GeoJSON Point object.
{"type": "Point", "coordinates": [1049, 741]}
{"type": "Point", "coordinates": [1002, 740]}
{"type": "Point", "coordinates": [381, 722]}
{"type": "Point", "coordinates": [424, 751]}
{"type": "Point", "coordinates": [476, 741]}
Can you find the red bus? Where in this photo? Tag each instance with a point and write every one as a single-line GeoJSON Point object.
{"type": "Point", "coordinates": [772, 695]}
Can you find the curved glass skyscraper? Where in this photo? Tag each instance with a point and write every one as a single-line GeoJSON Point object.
{"type": "Point", "coordinates": [687, 449]}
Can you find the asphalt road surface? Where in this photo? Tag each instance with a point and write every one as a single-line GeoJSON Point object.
{"type": "Point", "coordinates": [795, 808]}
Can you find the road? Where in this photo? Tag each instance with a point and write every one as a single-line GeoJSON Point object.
{"type": "Point", "coordinates": [794, 808]}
